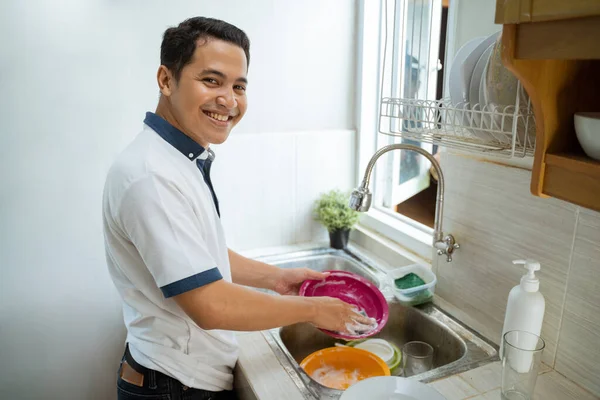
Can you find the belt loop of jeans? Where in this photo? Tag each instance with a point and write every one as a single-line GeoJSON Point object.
{"type": "Point", "coordinates": [152, 379]}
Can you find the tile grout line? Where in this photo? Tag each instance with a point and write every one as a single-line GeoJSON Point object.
{"type": "Point", "coordinates": [572, 382]}
{"type": "Point", "coordinates": [564, 302]}
{"type": "Point", "coordinates": [460, 376]}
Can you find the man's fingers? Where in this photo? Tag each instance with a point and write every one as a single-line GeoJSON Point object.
{"type": "Point", "coordinates": [311, 274]}
{"type": "Point", "coordinates": [360, 318]}
{"type": "Point", "coordinates": [363, 320]}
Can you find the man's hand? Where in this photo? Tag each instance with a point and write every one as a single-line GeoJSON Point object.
{"type": "Point", "coordinates": [336, 315]}
{"type": "Point", "coordinates": [288, 281]}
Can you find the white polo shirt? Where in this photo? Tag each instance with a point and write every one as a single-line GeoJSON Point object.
{"type": "Point", "coordinates": [163, 237]}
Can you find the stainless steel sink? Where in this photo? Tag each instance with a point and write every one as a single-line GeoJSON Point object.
{"type": "Point", "coordinates": [328, 260]}
{"type": "Point", "coordinates": [457, 348]}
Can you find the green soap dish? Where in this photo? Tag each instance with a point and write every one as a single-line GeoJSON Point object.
{"type": "Point", "coordinates": [413, 285]}
{"type": "Point", "coordinates": [408, 281]}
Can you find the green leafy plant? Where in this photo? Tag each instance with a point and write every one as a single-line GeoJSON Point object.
{"type": "Point", "coordinates": [333, 211]}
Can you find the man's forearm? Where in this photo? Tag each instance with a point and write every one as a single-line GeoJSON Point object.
{"type": "Point", "coordinates": [224, 305]}
{"type": "Point", "coordinates": [247, 272]}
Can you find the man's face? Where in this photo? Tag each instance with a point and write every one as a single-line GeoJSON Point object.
{"type": "Point", "coordinates": [210, 96]}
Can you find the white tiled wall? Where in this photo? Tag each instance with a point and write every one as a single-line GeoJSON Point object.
{"type": "Point", "coordinates": [494, 217]}
{"type": "Point", "coordinates": [267, 184]}
{"type": "Point", "coordinates": [579, 340]}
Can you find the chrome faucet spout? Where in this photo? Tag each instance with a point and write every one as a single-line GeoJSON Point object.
{"type": "Point", "coordinates": [361, 197]}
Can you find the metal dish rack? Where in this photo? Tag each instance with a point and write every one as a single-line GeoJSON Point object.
{"type": "Point", "coordinates": [507, 131]}
{"type": "Point", "coordinates": [500, 130]}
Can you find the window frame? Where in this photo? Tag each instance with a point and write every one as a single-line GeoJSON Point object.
{"type": "Point", "coordinates": [410, 234]}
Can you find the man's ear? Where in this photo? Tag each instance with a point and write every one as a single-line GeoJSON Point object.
{"type": "Point", "coordinates": [165, 80]}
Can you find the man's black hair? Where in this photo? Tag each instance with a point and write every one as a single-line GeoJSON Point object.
{"type": "Point", "coordinates": [179, 43]}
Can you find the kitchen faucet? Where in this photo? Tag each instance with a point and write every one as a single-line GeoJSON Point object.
{"type": "Point", "coordinates": [361, 198]}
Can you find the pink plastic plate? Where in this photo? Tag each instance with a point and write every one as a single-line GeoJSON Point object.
{"type": "Point", "coordinates": [352, 289]}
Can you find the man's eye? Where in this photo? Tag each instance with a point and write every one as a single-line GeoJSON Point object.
{"type": "Point", "coordinates": [210, 80]}
{"type": "Point", "coordinates": [240, 87]}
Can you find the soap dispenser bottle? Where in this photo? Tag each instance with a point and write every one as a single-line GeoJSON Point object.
{"type": "Point", "coordinates": [526, 305]}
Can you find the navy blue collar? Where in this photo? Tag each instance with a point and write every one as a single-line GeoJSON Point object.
{"type": "Point", "coordinates": [174, 136]}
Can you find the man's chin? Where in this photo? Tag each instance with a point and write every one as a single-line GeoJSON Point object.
{"type": "Point", "coordinates": [219, 138]}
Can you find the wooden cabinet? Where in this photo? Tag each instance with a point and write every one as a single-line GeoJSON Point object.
{"type": "Point", "coordinates": [553, 47]}
{"type": "Point", "coordinates": [522, 11]}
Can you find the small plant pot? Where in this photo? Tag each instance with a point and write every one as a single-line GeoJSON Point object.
{"type": "Point", "coordinates": [339, 239]}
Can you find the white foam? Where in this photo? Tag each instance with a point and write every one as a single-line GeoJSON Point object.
{"type": "Point", "coordinates": [357, 329]}
{"type": "Point", "coordinates": [329, 375]}
{"type": "Point", "coordinates": [328, 283]}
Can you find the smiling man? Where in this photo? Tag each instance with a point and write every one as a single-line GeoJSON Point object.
{"type": "Point", "coordinates": [183, 290]}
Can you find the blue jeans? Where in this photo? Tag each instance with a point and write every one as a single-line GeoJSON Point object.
{"type": "Point", "coordinates": [136, 382]}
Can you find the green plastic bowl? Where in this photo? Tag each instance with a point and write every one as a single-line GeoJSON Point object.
{"type": "Point", "coordinates": [397, 358]}
{"type": "Point", "coordinates": [395, 363]}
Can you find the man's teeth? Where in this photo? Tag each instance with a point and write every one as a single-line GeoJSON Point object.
{"type": "Point", "coordinates": [218, 116]}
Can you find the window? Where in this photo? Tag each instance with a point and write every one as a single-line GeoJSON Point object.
{"type": "Point", "coordinates": [402, 48]}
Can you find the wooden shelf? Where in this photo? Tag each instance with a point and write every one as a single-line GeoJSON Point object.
{"type": "Point", "coordinates": [567, 39]}
{"type": "Point", "coordinates": [573, 178]}
{"type": "Point", "coordinates": [525, 11]}
{"type": "Point", "coordinates": [558, 63]}
{"type": "Point", "coordinates": [575, 163]}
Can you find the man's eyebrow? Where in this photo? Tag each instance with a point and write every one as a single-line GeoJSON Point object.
{"type": "Point", "coordinates": [210, 71]}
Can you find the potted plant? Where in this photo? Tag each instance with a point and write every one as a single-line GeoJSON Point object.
{"type": "Point", "coordinates": [333, 211]}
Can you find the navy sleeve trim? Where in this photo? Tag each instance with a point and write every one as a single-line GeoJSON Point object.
{"type": "Point", "coordinates": [191, 282]}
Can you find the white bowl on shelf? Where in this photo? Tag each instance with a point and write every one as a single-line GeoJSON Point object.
{"type": "Point", "coordinates": [587, 128]}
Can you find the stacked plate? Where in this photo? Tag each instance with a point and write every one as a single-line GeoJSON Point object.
{"type": "Point", "coordinates": [480, 83]}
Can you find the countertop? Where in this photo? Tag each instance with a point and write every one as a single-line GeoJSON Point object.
{"type": "Point", "coordinates": [261, 376]}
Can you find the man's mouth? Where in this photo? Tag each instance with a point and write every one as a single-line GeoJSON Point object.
{"type": "Point", "coordinates": [218, 117]}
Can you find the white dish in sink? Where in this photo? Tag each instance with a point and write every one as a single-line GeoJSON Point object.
{"type": "Point", "coordinates": [390, 388]}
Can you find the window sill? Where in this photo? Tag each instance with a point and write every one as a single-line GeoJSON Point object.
{"type": "Point", "coordinates": [410, 235]}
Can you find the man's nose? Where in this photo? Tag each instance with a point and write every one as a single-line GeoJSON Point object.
{"type": "Point", "coordinates": [227, 98]}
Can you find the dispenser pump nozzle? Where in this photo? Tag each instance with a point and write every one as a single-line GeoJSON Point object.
{"type": "Point", "coordinates": [529, 282]}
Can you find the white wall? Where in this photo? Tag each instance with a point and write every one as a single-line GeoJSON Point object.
{"type": "Point", "coordinates": [77, 77]}
{"type": "Point", "coordinates": [474, 18]}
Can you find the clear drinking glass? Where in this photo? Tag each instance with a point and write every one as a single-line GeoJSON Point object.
{"type": "Point", "coordinates": [521, 359]}
{"type": "Point", "coordinates": [417, 357]}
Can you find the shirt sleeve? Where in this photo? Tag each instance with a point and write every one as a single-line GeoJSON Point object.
{"type": "Point", "coordinates": [162, 225]}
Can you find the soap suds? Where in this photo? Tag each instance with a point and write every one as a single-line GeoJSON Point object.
{"type": "Point", "coordinates": [329, 376]}
{"type": "Point", "coordinates": [328, 283]}
{"type": "Point", "coordinates": [356, 328]}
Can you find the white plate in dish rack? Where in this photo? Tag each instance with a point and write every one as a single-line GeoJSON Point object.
{"type": "Point", "coordinates": [463, 65]}
{"type": "Point", "coordinates": [460, 72]}
{"type": "Point", "coordinates": [477, 102]}
{"type": "Point", "coordinates": [391, 388]}
{"type": "Point", "coordinates": [478, 72]}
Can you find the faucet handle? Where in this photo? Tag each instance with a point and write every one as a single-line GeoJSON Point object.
{"type": "Point", "coordinates": [447, 247]}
